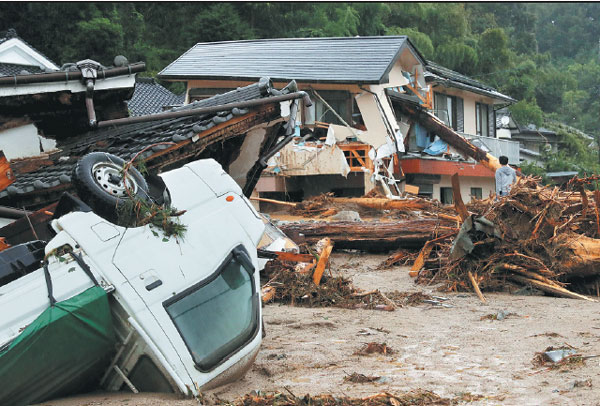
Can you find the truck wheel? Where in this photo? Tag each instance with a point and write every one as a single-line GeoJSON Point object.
{"type": "Point", "coordinates": [99, 182]}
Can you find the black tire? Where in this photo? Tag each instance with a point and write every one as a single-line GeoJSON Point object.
{"type": "Point", "coordinates": [98, 179]}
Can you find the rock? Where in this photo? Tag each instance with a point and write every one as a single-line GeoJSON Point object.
{"type": "Point", "coordinates": [346, 215]}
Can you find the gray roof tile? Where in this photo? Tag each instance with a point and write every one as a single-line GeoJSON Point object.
{"type": "Point", "coordinates": [347, 60]}
{"type": "Point", "coordinates": [10, 69]}
{"type": "Point", "coordinates": [150, 97]}
{"type": "Point", "coordinates": [126, 141]}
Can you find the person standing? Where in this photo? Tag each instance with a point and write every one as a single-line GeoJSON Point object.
{"type": "Point", "coordinates": [505, 177]}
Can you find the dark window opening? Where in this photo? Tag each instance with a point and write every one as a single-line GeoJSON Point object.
{"type": "Point", "coordinates": [446, 195]}
{"type": "Point", "coordinates": [217, 317]}
{"type": "Point", "coordinates": [476, 192]}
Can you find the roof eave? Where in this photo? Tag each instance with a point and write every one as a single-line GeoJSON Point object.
{"type": "Point", "coordinates": [185, 78]}
{"type": "Point", "coordinates": [406, 44]}
{"type": "Point", "coordinates": [483, 92]}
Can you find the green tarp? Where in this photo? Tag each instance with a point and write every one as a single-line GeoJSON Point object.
{"type": "Point", "coordinates": [64, 351]}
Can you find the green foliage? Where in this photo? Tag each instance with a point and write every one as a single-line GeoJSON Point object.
{"type": "Point", "coordinates": [527, 112]}
{"type": "Point", "coordinates": [493, 50]}
{"type": "Point", "coordinates": [421, 41]}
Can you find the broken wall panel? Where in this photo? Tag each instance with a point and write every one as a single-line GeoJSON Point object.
{"type": "Point", "coordinates": [298, 160]}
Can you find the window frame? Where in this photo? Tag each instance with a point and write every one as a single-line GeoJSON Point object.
{"type": "Point", "coordinates": [480, 129]}
{"type": "Point", "coordinates": [476, 195]}
{"type": "Point", "coordinates": [239, 254]}
{"type": "Point", "coordinates": [453, 113]}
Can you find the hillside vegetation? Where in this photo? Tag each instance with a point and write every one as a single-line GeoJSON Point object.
{"type": "Point", "coordinates": [545, 55]}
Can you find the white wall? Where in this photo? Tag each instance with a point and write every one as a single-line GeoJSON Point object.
{"type": "Point", "coordinates": [23, 142]}
{"type": "Point", "coordinates": [466, 183]}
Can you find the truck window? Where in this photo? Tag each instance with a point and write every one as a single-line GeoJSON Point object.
{"type": "Point", "coordinates": [146, 377]}
{"type": "Point", "coordinates": [218, 316]}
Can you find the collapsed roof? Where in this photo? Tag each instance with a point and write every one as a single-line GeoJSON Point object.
{"type": "Point", "coordinates": [165, 143]}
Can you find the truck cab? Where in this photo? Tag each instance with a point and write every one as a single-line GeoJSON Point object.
{"type": "Point", "coordinates": [186, 310]}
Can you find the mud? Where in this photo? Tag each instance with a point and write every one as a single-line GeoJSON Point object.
{"type": "Point", "coordinates": [455, 350]}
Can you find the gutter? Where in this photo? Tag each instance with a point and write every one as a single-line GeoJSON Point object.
{"type": "Point", "coordinates": [205, 110]}
{"type": "Point", "coordinates": [16, 80]}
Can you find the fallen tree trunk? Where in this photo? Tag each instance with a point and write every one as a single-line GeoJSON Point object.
{"type": "Point", "coordinates": [448, 135]}
{"type": "Point", "coordinates": [369, 235]}
{"type": "Point", "coordinates": [584, 259]}
{"type": "Point", "coordinates": [384, 204]}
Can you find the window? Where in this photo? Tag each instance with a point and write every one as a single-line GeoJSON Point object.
{"type": "Point", "coordinates": [445, 109]}
{"type": "Point", "coordinates": [339, 101]}
{"type": "Point", "coordinates": [218, 316]}
{"type": "Point", "coordinates": [446, 196]}
{"type": "Point", "coordinates": [476, 192]}
{"type": "Point", "coordinates": [481, 119]}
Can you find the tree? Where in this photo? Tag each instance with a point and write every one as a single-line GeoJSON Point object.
{"type": "Point", "coordinates": [493, 50]}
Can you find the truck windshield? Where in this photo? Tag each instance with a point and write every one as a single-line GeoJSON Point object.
{"type": "Point", "coordinates": [216, 318]}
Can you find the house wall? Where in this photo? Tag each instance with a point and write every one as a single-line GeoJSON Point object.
{"type": "Point", "coordinates": [487, 186]}
{"type": "Point", "coordinates": [23, 142]}
{"type": "Point", "coordinates": [469, 100]}
{"type": "Point", "coordinates": [16, 51]}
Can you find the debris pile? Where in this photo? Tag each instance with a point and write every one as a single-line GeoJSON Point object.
{"type": "Point", "coordinates": [413, 398]}
{"type": "Point", "coordinates": [374, 348]}
{"type": "Point", "coordinates": [537, 236]}
{"type": "Point", "coordinates": [287, 286]}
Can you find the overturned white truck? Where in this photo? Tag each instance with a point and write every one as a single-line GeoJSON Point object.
{"type": "Point", "coordinates": [126, 307]}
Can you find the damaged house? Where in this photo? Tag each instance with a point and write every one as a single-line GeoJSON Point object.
{"type": "Point", "coordinates": [56, 115]}
{"type": "Point", "coordinates": [356, 138]}
{"type": "Point", "coordinates": [468, 107]}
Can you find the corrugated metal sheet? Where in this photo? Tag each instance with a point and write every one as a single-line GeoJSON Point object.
{"type": "Point", "coordinates": [354, 59]}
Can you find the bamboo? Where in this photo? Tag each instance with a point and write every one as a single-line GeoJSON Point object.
{"type": "Point", "coordinates": [532, 275]}
{"type": "Point", "coordinates": [476, 287]}
{"type": "Point", "coordinates": [273, 201]}
{"type": "Point", "coordinates": [562, 292]}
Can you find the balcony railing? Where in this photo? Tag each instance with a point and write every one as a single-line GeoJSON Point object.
{"type": "Point", "coordinates": [496, 147]}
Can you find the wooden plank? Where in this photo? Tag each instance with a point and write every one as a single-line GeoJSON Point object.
{"type": "Point", "coordinates": [411, 189]}
{"type": "Point", "coordinates": [322, 263]}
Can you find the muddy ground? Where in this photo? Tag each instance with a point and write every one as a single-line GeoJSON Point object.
{"type": "Point", "coordinates": [447, 350]}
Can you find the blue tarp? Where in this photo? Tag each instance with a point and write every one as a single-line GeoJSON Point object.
{"type": "Point", "coordinates": [422, 136]}
{"type": "Point", "coordinates": [438, 147]}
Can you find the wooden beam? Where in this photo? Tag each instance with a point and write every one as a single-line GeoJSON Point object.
{"type": "Point", "coordinates": [459, 205]}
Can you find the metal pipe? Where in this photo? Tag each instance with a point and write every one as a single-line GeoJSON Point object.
{"type": "Point", "coordinates": [89, 103]}
{"type": "Point", "coordinates": [203, 110]}
{"type": "Point", "coordinates": [12, 213]}
{"type": "Point", "coordinates": [66, 75]}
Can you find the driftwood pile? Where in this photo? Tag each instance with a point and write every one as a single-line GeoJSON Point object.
{"type": "Point", "coordinates": [286, 285]}
{"type": "Point", "coordinates": [537, 236]}
{"type": "Point", "coordinates": [417, 397]}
